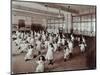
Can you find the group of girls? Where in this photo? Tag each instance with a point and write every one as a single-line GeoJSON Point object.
{"type": "Point", "coordinates": [33, 43]}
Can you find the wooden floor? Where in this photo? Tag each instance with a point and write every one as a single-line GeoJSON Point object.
{"type": "Point", "coordinates": [77, 62]}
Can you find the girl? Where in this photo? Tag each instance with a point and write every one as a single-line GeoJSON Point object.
{"type": "Point", "coordinates": [66, 53]}
{"type": "Point", "coordinates": [29, 54]}
{"type": "Point", "coordinates": [22, 47]}
{"type": "Point", "coordinates": [63, 41]}
{"type": "Point", "coordinates": [70, 45]}
{"type": "Point", "coordinates": [50, 38]}
{"type": "Point", "coordinates": [59, 43]}
{"type": "Point", "coordinates": [14, 35]}
{"type": "Point", "coordinates": [28, 38]}
{"type": "Point", "coordinates": [43, 37]}
{"type": "Point", "coordinates": [72, 38]}
{"type": "Point", "coordinates": [14, 47]}
{"type": "Point", "coordinates": [38, 46]}
{"type": "Point", "coordinates": [50, 54]}
{"type": "Point", "coordinates": [83, 39]}
{"type": "Point", "coordinates": [55, 46]}
{"type": "Point", "coordinates": [82, 47]}
{"type": "Point", "coordinates": [32, 41]}
{"type": "Point", "coordinates": [46, 44]}
{"type": "Point", "coordinates": [40, 62]}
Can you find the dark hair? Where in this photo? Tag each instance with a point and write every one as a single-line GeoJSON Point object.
{"type": "Point", "coordinates": [51, 45]}
{"type": "Point", "coordinates": [65, 48]}
{"type": "Point", "coordinates": [43, 58]}
{"type": "Point", "coordinates": [30, 46]}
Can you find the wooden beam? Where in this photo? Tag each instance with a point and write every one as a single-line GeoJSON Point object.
{"type": "Point", "coordinates": [35, 10]}
{"type": "Point", "coordinates": [58, 6]}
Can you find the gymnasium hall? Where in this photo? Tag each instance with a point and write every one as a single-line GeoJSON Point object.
{"type": "Point", "coordinates": [52, 37]}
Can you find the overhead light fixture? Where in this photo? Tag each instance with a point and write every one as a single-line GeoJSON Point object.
{"type": "Point", "coordinates": [68, 7]}
{"type": "Point", "coordinates": [61, 16]}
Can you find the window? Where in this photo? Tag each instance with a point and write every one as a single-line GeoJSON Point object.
{"type": "Point", "coordinates": [84, 24]}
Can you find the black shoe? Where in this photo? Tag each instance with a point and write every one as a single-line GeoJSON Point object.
{"type": "Point", "coordinates": [26, 60]}
{"type": "Point", "coordinates": [70, 55]}
{"type": "Point", "coordinates": [34, 56]}
{"type": "Point", "coordinates": [49, 63]}
{"type": "Point", "coordinates": [64, 60]}
{"type": "Point", "coordinates": [52, 63]}
{"type": "Point", "coordinates": [39, 53]}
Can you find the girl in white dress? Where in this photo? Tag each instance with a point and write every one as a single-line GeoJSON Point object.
{"type": "Point", "coordinates": [31, 33]}
{"type": "Point", "coordinates": [55, 46]}
{"type": "Point", "coordinates": [70, 45]}
{"type": "Point", "coordinates": [46, 44]}
{"type": "Point", "coordinates": [82, 47]}
{"type": "Point", "coordinates": [29, 54]}
{"type": "Point", "coordinates": [22, 47]}
{"type": "Point", "coordinates": [18, 34]}
{"type": "Point", "coordinates": [83, 40]}
{"type": "Point", "coordinates": [32, 41]}
{"type": "Point", "coordinates": [18, 41]}
{"type": "Point", "coordinates": [14, 48]}
{"type": "Point", "coordinates": [72, 38]}
{"type": "Point", "coordinates": [51, 39]}
{"type": "Point", "coordinates": [40, 62]}
{"type": "Point", "coordinates": [38, 46]}
{"type": "Point", "coordinates": [59, 43]}
{"type": "Point", "coordinates": [43, 37]}
{"type": "Point", "coordinates": [66, 53]}
{"type": "Point", "coordinates": [28, 38]}
{"type": "Point", "coordinates": [14, 35]}
{"type": "Point", "coordinates": [50, 54]}
{"type": "Point", "coordinates": [63, 41]}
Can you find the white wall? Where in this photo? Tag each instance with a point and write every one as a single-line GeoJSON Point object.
{"type": "Point", "coordinates": [28, 19]}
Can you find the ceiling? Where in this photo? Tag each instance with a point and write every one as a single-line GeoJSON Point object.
{"type": "Point", "coordinates": [51, 9]}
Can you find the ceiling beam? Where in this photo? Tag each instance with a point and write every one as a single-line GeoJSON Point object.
{"type": "Point", "coordinates": [58, 6]}
{"type": "Point", "coordinates": [35, 10]}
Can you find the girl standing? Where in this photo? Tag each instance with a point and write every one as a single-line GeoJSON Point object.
{"type": "Point", "coordinates": [50, 54]}
{"type": "Point", "coordinates": [40, 62]}
{"type": "Point", "coordinates": [70, 45]}
{"type": "Point", "coordinates": [66, 53]}
{"type": "Point", "coordinates": [29, 54]}
{"type": "Point", "coordinates": [82, 47]}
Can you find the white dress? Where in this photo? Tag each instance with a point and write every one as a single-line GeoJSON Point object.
{"type": "Point", "coordinates": [66, 53]}
{"type": "Point", "coordinates": [38, 35]}
{"type": "Point", "coordinates": [46, 44]}
{"type": "Point", "coordinates": [28, 39]}
{"type": "Point", "coordinates": [21, 45]}
{"type": "Point", "coordinates": [82, 47]}
{"type": "Point", "coordinates": [29, 54]}
{"type": "Point", "coordinates": [59, 42]}
{"type": "Point", "coordinates": [50, 39]}
{"type": "Point", "coordinates": [43, 37]}
{"type": "Point", "coordinates": [18, 41]}
{"type": "Point", "coordinates": [14, 48]}
{"type": "Point", "coordinates": [84, 41]}
{"type": "Point", "coordinates": [38, 47]}
{"type": "Point", "coordinates": [40, 67]}
{"type": "Point", "coordinates": [49, 55]}
{"type": "Point", "coordinates": [31, 33]}
{"type": "Point", "coordinates": [18, 34]}
{"type": "Point", "coordinates": [63, 41]}
{"type": "Point", "coordinates": [25, 47]}
{"type": "Point", "coordinates": [55, 47]}
{"type": "Point", "coordinates": [72, 37]}
{"type": "Point", "coordinates": [32, 41]}
{"type": "Point", "coordinates": [70, 45]}
{"type": "Point", "coordinates": [14, 36]}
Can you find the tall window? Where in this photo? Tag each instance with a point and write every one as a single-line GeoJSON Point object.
{"type": "Point", "coordinates": [84, 24]}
